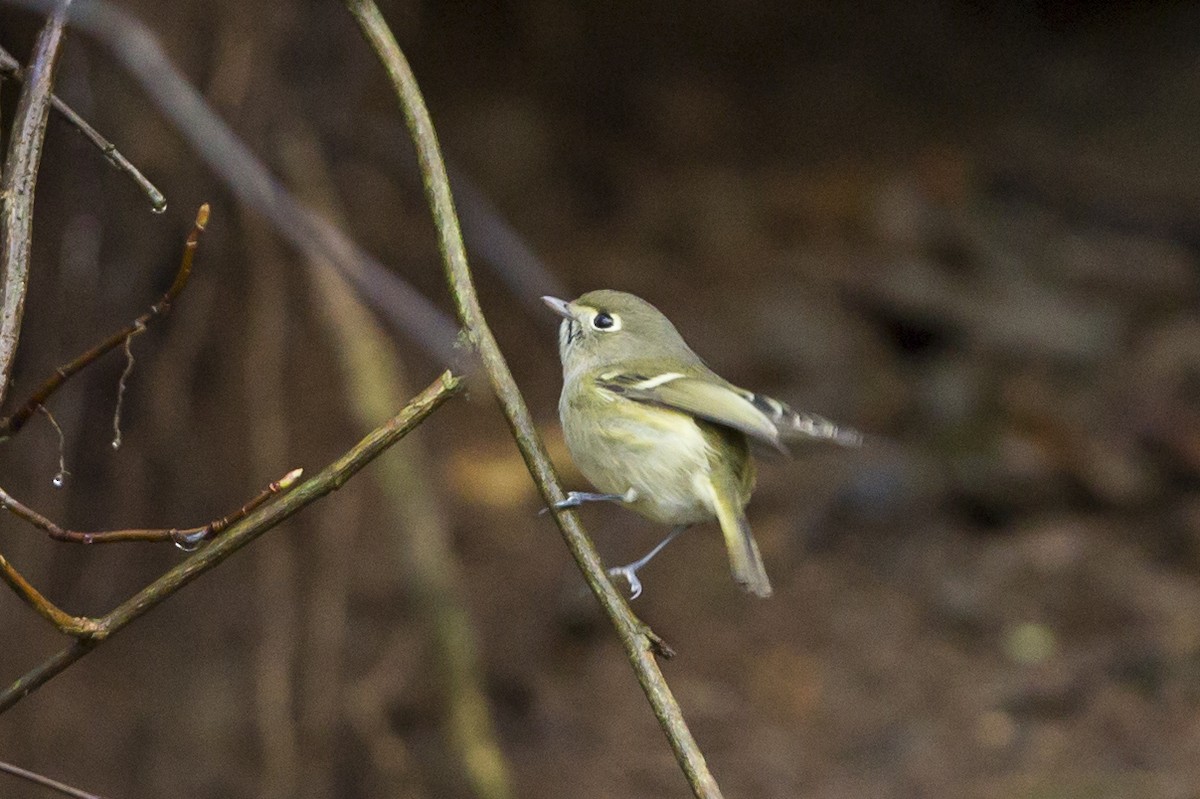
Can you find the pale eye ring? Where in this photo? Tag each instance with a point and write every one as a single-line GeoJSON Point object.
{"type": "Point", "coordinates": [606, 322]}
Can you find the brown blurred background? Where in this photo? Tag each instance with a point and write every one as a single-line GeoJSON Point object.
{"type": "Point", "coordinates": [969, 229]}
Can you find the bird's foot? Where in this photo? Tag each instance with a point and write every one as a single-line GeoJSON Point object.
{"type": "Point", "coordinates": [629, 573]}
{"type": "Point", "coordinates": [576, 498]}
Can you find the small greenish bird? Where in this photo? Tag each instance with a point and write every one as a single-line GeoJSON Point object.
{"type": "Point", "coordinates": [653, 428]}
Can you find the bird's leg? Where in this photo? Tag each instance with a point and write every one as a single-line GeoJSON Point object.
{"type": "Point", "coordinates": [629, 571]}
{"type": "Point", "coordinates": [576, 498]}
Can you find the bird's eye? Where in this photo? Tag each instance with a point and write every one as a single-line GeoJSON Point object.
{"type": "Point", "coordinates": [603, 321]}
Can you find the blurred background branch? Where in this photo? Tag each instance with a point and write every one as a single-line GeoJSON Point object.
{"type": "Point", "coordinates": [46, 782]}
{"type": "Point", "coordinates": [372, 373]}
{"type": "Point", "coordinates": [228, 156]}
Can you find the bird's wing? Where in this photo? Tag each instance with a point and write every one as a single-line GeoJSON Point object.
{"type": "Point", "coordinates": [760, 417]}
{"type": "Point", "coordinates": [704, 399]}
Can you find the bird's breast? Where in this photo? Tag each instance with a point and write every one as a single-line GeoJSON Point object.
{"type": "Point", "coordinates": [658, 452]}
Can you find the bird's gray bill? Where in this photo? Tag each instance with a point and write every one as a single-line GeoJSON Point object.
{"type": "Point", "coordinates": [560, 307]}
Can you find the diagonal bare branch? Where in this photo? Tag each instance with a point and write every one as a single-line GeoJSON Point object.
{"type": "Point", "coordinates": [158, 203]}
{"type": "Point", "coordinates": [639, 645]}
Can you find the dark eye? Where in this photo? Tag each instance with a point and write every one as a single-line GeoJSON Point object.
{"type": "Point", "coordinates": [603, 321]}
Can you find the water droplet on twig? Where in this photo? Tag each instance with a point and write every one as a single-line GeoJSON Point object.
{"type": "Point", "coordinates": [188, 542]}
{"type": "Point", "coordinates": [184, 545]}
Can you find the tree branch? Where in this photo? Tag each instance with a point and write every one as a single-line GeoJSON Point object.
{"type": "Point", "coordinates": [639, 646]}
{"type": "Point", "coordinates": [17, 185]}
{"type": "Point", "coordinates": [329, 479]}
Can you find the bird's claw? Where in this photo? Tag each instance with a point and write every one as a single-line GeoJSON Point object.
{"type": "Point", "coordinates": [635, 585]}
{"type": "Point", "coordinates": [574, 500]}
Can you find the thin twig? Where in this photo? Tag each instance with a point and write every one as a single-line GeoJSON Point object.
{"type": "Point", "coordinates": [45, 782]}
{"type": "Point", "coordinates": [60, 477]}
{"type": "Point", "coordinates": [122, 382]}
{"type": "Point", "coordinates": [63, 621]}
{"type": "Point", "coordinates": [17, 186]}
{"type": "Point", "coordinates": [158, 203]}
{"type": "Point", "coordinates": [186, 539]}
{"type": "Point", "coordinates": [160, 309]}
{"type": "Point", "coordinates": [331, 478]}
{"type": "Point", "coordinates": [639, 646]}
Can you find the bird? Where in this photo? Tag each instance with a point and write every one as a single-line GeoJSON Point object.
{"type": "Point", "coordinates": [657, 431]}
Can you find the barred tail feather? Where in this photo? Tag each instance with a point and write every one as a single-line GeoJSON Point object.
{"type": "Point", "coordinates": [793, 425]}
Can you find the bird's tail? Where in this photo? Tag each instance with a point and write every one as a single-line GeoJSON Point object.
{"type": "Point", "coordinates": [796, 426]}
{"type": "Point", "coordinates": [744, 559]}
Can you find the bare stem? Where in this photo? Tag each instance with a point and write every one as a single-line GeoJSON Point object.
{"type": "Point", "coordinates": [329, 479]}
{"type": "Point", "coordinates": [186, 539]}
{"type": "Point", "coordinates": [158, 203]}
{"type": "Point", "coordinates": [160, 309]}
{"type": "Point", "coordinates": [16, 187]}
{"type": "Point", "coordinates": [65, 622]}
{"type": "Point", "coordinates": [639, 646]}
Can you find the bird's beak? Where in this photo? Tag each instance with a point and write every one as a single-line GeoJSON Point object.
{"type": "Point", "coordinates": [560, 307]}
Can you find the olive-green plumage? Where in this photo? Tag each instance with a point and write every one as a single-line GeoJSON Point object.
{"type": "Point", "coordinates": [645, 418]}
